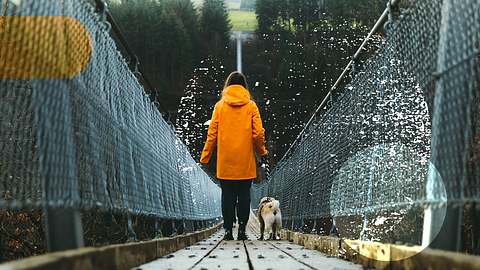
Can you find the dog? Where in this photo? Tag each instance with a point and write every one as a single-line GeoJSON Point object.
{"type": "Point", "coordinates": [270, 217]}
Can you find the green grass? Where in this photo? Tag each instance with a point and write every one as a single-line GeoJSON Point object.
{"type": "Point", "coordinates": [243, 20]}
{"type": "Point", "coordinates": [229, 4]}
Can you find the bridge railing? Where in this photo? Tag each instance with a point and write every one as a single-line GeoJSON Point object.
{"type": "Point", "coordinates": [89, 140]}
{"type": "Point", "coordinates": [393, 152]}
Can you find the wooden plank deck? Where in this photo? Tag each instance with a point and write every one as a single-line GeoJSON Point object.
{"type": "Point", "coordinates": [214, 253]}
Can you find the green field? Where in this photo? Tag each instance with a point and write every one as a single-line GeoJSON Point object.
{"type": "Point", "coordinates": [243, 20]}
{"type": "Point", "coordinates": [230, 4]}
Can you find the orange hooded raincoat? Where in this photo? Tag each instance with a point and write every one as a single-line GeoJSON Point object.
{"type": "Point", "coordinates": [236, 130]}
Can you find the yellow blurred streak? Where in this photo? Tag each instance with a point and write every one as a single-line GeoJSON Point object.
{"type": "Point", "coordinates": [43, 47]}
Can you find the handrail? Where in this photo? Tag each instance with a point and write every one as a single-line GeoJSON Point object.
{"type": "Point", "coordinates": [380, 22]}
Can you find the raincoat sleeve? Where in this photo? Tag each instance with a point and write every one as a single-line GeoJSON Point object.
{"type": "Point", "coordinates": [258, 132]}
{"type": "Point", "coordinates": [211, 142]}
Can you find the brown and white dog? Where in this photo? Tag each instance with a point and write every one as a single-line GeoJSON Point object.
{"type": "Point", "coordinates": [270, 217]}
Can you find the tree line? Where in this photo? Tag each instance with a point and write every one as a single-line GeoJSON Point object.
{"type": "Point", "coordinates": [305, 15]}
{"type": "Point", "coordinates": [295, 56]}
{"type": "Point", "coordinates": [299, 50]}
{"type": "Point", "coordinates": [291, 61]}
{"type": "Point", "coordinates": [170, 37]}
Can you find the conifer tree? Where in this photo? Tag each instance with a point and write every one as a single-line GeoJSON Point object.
{"type": "Point", "coordinates": [215, 28]}
{"type": "Point", "coordinates": [267, 13]}
{"type": "Point", "coordinates": [164, 36]}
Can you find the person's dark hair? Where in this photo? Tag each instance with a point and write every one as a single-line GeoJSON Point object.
{"type": "Point", "coordinates": [236, 78]}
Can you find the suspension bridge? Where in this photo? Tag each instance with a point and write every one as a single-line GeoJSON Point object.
{"type": "Point", "coordinates": [385, 174]}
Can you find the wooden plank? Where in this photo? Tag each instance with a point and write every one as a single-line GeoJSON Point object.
{"type": "Point", "coordinates": [304, 258]}
{"type": "Point", "coordinates": [227, 255]}
{"type": "Point", "coordinates": [431, 259]}
{"type": "Point", "coordinates": [264, 256]}
{"type": "Point", "coordinates": [309, 259]}
{"type": "Point", "coordinates": [383, 255]}
{"type": "Point", "coordinates": [120, 256]}
{"type": "Point", "coordinates": [313, 258]}
{"type": "Point", "coordinates": [185, 258]}
{"type": "Point", "coordinates": [214, 253]}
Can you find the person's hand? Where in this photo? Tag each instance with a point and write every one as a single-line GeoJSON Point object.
{"type": "Point", "coordinates": [206, 169]}
{"type": "Point", "coordinates": [265, 164]}
{"type": "Point", "coordinates": [264, 160]}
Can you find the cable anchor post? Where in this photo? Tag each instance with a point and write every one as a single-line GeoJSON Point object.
{"type": "Point", "coordinates": [101, 9]}
{"type": "Point", "coordinates": [393, 11]}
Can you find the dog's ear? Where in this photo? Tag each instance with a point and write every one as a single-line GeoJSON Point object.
{"type": "Point", "coordinates": [265, 200]}
{"type": "Point", "coordinates": [260, 205]}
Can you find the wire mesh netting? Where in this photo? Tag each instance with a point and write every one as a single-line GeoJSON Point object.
{"type": "Point", "coordinates": [92, 140]}
{"type": "Point", "coordinates": [408, 114]}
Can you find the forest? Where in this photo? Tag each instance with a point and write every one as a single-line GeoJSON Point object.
{"type": "Point", "coordinates": [171, 38]}
{"type": "Point", "coordinates": [291, 60]}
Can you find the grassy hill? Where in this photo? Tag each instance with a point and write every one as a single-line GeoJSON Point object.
{"type": "Point", "coordinates": [231, 4]}
{"type": "Point", "coordinates": [243, 20]}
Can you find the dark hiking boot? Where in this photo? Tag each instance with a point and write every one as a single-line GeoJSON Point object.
{"type": "Point", "coordinates": [228, 235]}
{"type": "Point", "coordinates": [242, 235]}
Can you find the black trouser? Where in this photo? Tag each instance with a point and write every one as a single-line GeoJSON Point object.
{"type": "Point", "coordinates": [235, 194]}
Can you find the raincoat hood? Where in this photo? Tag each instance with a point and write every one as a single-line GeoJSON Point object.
{"type": "Point", "coordinates": [236, 95]}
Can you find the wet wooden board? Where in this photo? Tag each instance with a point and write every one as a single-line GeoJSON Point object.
{"type": "Point", "coordinates": [187, 257]}
{"type": "Point", "coordinates": [214, 253]}
{"type": "Point", "coordinates": [313, 258]}
{"type": "Point", "coordinates": [228, 255]}
{"type": "Point", "coordinates": [309, 259]}
{"type": "Point", "coordinates": [264, 256]}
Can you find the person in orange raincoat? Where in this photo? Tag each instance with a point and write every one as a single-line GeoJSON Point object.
{"type": "Point", "coordinates": [235, 132]}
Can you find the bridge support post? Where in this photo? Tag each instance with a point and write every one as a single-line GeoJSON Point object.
{"type": "Point", "coordinates": [132, 236]}
{"type": "Point", "coordinates": [200, 224]}
{"type": "Point", "coordinates": [63, 229]}
{"type": "Point", "coordinates": [189, 226]}
{"type": "Point", "coordinates": [167, 227]}
{"type": "Point", "coordinates": [158, 228]}
{"type": "Point", "coordinates": [57, 164]}
{"type": "Point", "coordinates": [174, 227]}
{"type": "Point", "coordinates": [180, 227]}
{"type": "Point", "coordinates": [333, 230]}
{"type": "Point", "coordinates": [197, 225]}
{"type": "Point", "coordinates": [451, 137]}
